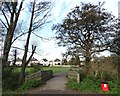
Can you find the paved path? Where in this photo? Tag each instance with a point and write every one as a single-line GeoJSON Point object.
{"type": "Point", "coordinates": [56, 85]}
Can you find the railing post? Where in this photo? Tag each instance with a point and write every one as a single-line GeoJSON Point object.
{"type": "Point", "coordinates": [78, 77]}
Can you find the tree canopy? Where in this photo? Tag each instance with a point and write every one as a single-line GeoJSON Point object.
{"type": "Point", "coordinates": [87, 29]}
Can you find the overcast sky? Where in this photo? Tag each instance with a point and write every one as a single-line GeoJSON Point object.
{"type": "Point", "coordinates": [49, 49]}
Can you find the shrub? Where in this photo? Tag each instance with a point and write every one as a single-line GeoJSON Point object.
{"type": "Point", "coordinates": [88, 85]}
{"type": "Point", "coordinates": [73, 84]}
{"type": "Point", "coordinates": [30, 84]}
{"type": "Point", "coordinates": [82, 74]}
{"type": "Point", "coordinates": [9, 79]}
{"type": "Point", "coordinates": [107, 76]}
{"type": "Point", "coordinates": [92, 84]}
{"type": "Point", "coordinates": [113, 87]}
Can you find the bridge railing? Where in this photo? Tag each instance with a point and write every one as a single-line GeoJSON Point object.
{"type": "Point", "coordinates": [40, 75]}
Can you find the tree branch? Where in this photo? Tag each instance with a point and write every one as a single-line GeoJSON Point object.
{"type": "Point", "coordinates": [3, 23]}
{"type": "Point", "coordinates": [8, 7]}
{"type": "Point", "coordinates": [18, 37]}
{"type": "Point", "coordinates": [33, 51]}
{"type": "Point", "coordinates": [6, 18]}
{"type": "Point", "coordinates": [40, 36]}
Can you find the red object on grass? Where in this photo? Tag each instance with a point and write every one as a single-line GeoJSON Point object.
{"type": "Point", "coordinates": [105, 87]}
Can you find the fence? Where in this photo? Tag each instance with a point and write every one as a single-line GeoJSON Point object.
{"type": "Point", "coordinates": [40, 75]}
{"type": "Point", "coordinates": [72, 74]}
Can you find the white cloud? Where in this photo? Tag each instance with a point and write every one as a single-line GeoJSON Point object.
{"type": "Point", "coordinates": [51, 51]}
{"type": "Point", "coordinates": [62, 7]}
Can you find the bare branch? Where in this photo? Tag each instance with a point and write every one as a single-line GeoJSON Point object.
{"type": "Point", "coordinates": [6, 18]}
{"type": "Point", "coordinates": [8, 8]}
{"type": "Point", "coordinates": [18, 37]}
{"type": "Point", "coordinates": [3, 23]}
{"type": "Point", "coordinates": [40, 37]}
{"type": "Point", "coordinates": [33, 51]}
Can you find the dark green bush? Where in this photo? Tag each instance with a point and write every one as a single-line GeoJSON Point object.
{"type": "Point", "coordinates": [73, 84]}
{"type": "Point", "coordinates": [30, 84]}
{"type": "Point", "coordinates": [113, 87]}
{"type": "Point", "coordinates": [82, 75]}
{"type": "Point", "coordinates": [9, 79]}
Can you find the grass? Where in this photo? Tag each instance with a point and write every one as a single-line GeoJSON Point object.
{"type": "Point", "coordinates": [90, 86]}
{"type": "Point", "coordinates": [30, 70]}
{"type": "Point", "coordinates": [56, 69]}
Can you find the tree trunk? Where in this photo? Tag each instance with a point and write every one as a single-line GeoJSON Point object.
{"type": "Point", "coordinates": [24, 64]}
{"type": "Point", "coordinates": [9, 35]}
{"type": "Point", "coordinates": [15, 56]}
{"type": "Point", "coordinates": [22, 75]}
{"type": "Point", "coordinates": [87, 64]}
{"type": "Point", "coordinates": [87, 61]}
{"type": "Point", "coordinates": [24, 61]}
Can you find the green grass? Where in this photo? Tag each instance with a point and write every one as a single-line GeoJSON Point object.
{"type": "Point", "coordinates": [90, 86]}
{"type": "Point", "coordinates": [56, 69]}
{"type": "Point", "coordinates": [30, 70]}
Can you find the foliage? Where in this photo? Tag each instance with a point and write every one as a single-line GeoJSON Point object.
{"type": "Point", "coordinates": [30, 84]}
{"type": "Point", "coordinates": [116, 47]}
{"type": "Point", "coordinates": [75, 60]}
{"type": "Point", "coordinates": [113, 87]}
{"type": "Point", "coordinates": [64, 61]}
{"type": "Point", "coordinates": [91, 84]}
{"type": "Point", "coordinates": [86, 30]}
{"type": "Point", "coordinates": [87, 85]}
{"type": "Point", "coordinates": [9, 79]}
{"type": "Point", "coordinates": [82, 74]}
{"type": "Point", "coordinates": [101, 67]}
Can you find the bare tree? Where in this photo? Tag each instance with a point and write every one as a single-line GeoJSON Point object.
{"type": "Point", "coordinates": [39, 14]}
{"type": "Point", "coordinates": [11, 12]}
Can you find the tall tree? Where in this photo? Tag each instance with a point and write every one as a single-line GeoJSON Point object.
{"type": "Point", "coordinates": [88, 28]}
{"type": "Point", "coordinates": [11, 12]}
{"type": "Point", "coordinates": [116, 41]}
{"type": "Point", "coordinates": [39, 14]}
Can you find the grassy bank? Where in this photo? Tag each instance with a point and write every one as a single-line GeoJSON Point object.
{"type": "Point", "coordinates": [92, 85]}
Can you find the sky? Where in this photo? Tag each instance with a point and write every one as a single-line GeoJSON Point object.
{"type": "Point", "coordinates": [49, 48]}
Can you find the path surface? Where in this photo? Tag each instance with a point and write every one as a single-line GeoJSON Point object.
{"type": "Point", "coordinates": [56, 85]}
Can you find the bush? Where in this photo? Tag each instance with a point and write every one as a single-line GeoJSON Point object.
{"type": "Point", "coordinates": [113, 87]}
{"type": "Point", "coordinates": [107, 76]}
{"type": "Point", "coordinates": [92, 84]}
{"type": "Point", "coordinates": [87, 85]}
{"type": "Point", "coordinates": [82, 74]}
{"type": "Point", "coordinates": [30, 84]}
{"type": "Point", "coordinates": [9, 80]}
{"type": "Point", "coordinates": [73, 84]}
